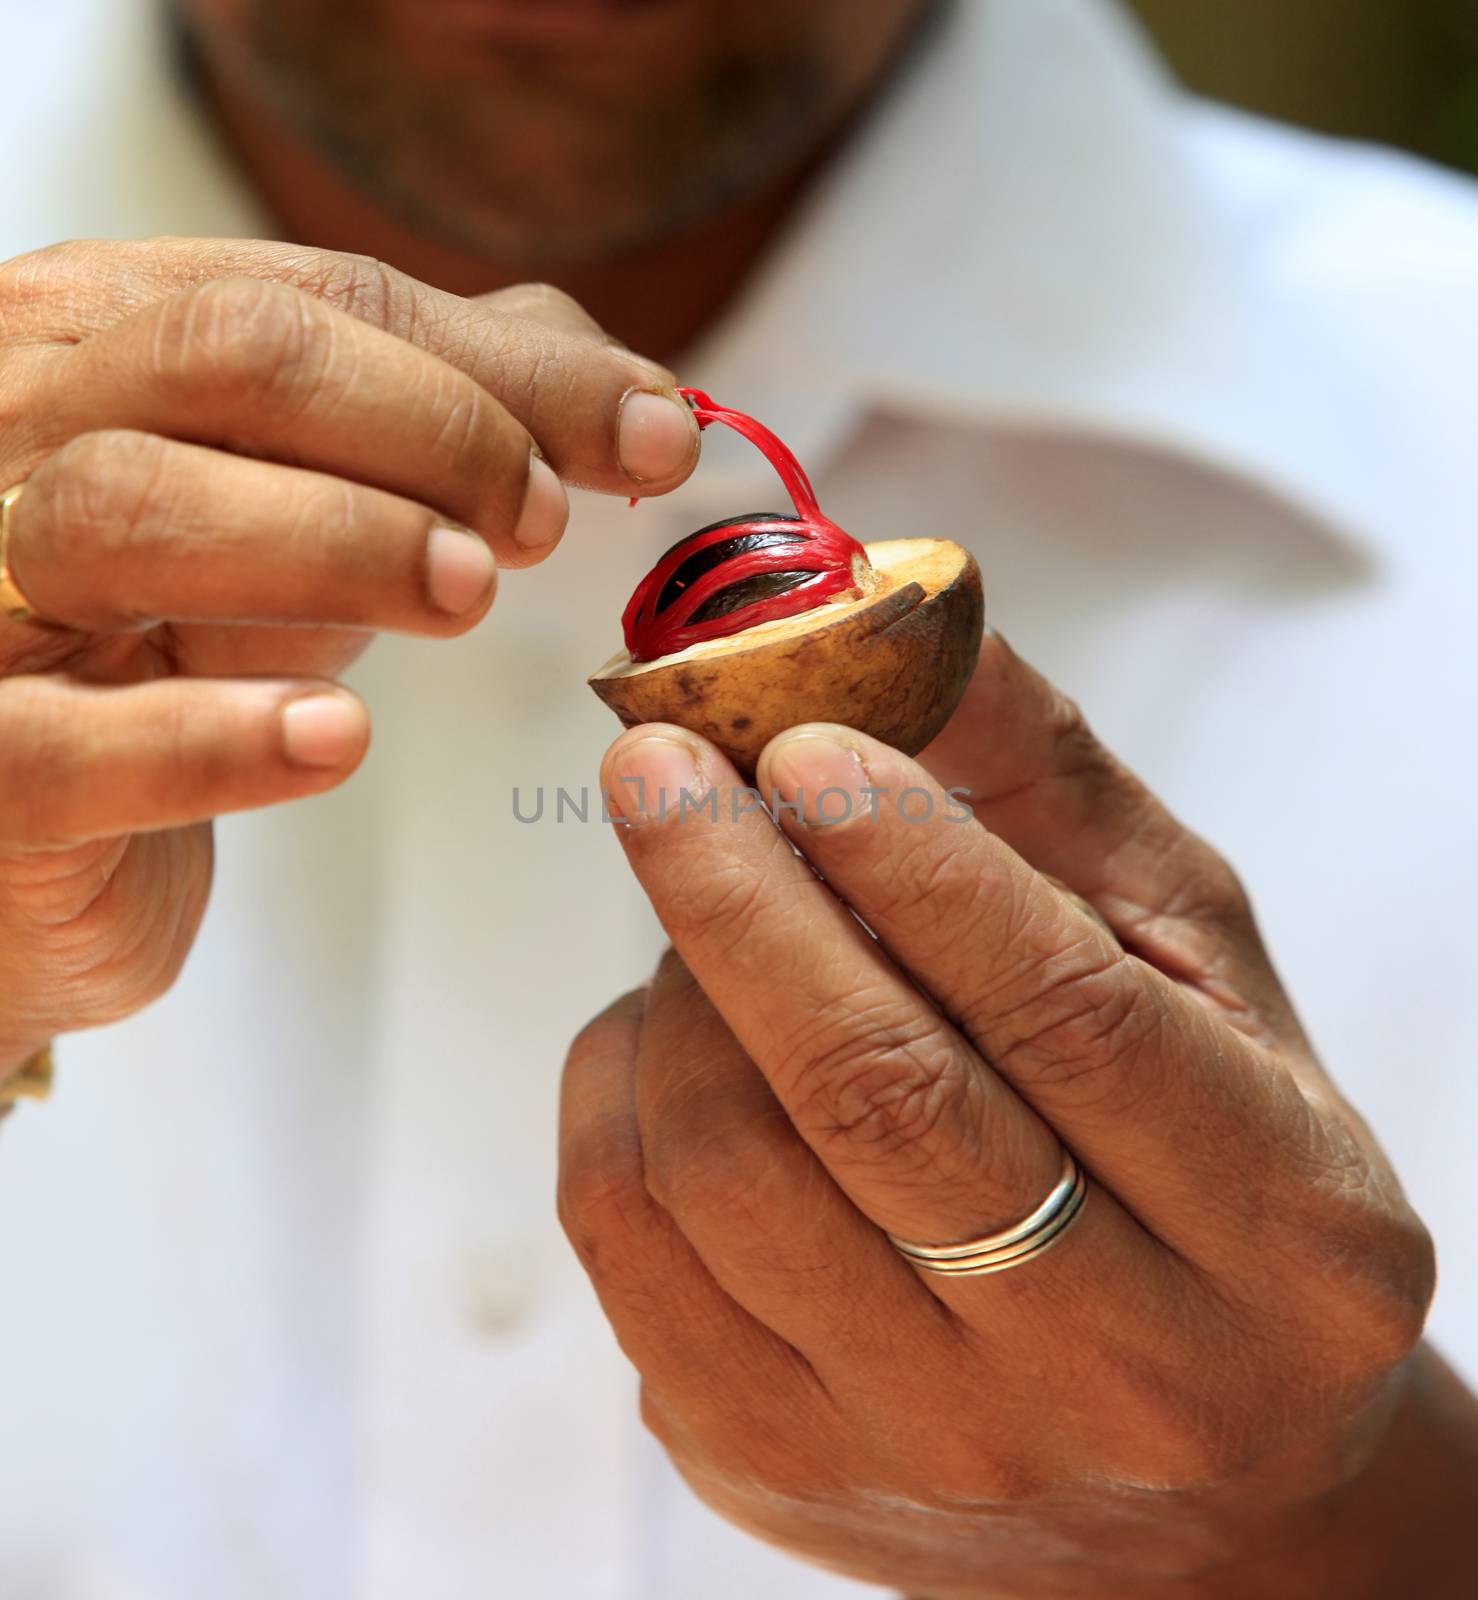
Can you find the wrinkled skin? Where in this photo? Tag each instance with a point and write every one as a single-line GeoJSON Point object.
{"type": "Point", "coordinates": [234, 458]}
{"type": "Point", "coordinates": [1205, 1387]}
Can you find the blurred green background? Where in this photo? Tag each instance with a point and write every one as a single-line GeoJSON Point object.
{"type": "Point", "coordinates": [1403, 71]}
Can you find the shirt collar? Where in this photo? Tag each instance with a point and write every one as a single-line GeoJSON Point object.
{"type": "Point", "coordinates": [1022, 234]}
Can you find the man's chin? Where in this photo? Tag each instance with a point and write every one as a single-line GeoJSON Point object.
{"type": "Point", "coordinates": [531, 179]}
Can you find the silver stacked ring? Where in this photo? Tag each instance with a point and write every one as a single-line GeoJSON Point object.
{"type": "Point", "coordinates": [996, 1252]}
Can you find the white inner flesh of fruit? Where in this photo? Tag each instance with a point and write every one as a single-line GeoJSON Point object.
{"type": "Point", "coordinates": [930, 563]}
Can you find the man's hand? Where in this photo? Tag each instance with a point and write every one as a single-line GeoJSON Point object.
{"type": "Point", "coordinates": [240, 459]}
{"type": "Point", "coordinates": [1205, 1385]}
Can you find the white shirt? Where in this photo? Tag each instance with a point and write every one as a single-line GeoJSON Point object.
{"type": "Point", "coordinates": [287, 1310]}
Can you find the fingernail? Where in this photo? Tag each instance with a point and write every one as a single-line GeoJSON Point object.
{"type": "Point", "coordinates": [460, 571]}
{"type": "Point", "coordinates": [818, 777]}
{"type": "Point", "coordinates": [655, 436]}
{"type": "Point", "coordinates": [323, 730]}
{"type": "Point", "coordinates": [654, 778]}
{"type": "Point", "coordinates": [546, 509]}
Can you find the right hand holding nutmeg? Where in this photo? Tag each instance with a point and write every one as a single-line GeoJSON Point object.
{"type": "Point", "coordinates": [238, 461]}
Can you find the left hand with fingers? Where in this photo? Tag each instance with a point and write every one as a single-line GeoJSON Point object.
{"type": "Point", "coordinates": [1181, 1359]}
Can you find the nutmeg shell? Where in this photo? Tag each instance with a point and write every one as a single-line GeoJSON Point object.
{"type": "Point", "coordinates": [893, 663]}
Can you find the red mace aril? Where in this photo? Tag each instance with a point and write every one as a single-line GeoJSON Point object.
{"type": "Point", "coordinates": [763, 621]}
{"type": "Point", "coordinates": [744, 570]}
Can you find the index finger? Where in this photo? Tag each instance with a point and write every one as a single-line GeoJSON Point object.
{"type": "Point", "coordinates": [604, 418]}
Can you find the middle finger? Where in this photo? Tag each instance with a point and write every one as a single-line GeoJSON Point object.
{"type": "Point", "coordinates": [269, 371]}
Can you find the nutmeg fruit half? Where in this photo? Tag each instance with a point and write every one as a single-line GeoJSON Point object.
{"type": "Point", "coordinates": [893, 662]}
{"type": "Point", "coordinates": [756, 623]}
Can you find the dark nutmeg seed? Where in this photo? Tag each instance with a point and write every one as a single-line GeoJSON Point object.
{"type": "Point", "coordinates": [748, 592]}
{"type": "Point", "coordinates": [705, 559]}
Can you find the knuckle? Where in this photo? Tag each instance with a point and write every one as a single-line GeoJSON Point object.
{"type": "Point", "coordinates": [545, 296]}
{"type": "Point", "coordinates": [1083, 1020]}
{"type": "Point", "coordinates": [608, 1033]}
{"type": "Point", "coordinates": [1078, 757]}
{"type": "Point", "coordinates": [372, 291]}
{"type": "Point", "coordinates": [34, 278]}
{"type": "Point", "coordinates": [1394, 1316]}
{"type": "Point", "coordinates": [96, 491]}
{"type": "Point", "coordinates": [243, 338]}
{"type": "Point", "coordinates": [725, 1171]}
{"type": "Point", "coordinates": [473, 441]}
{"type": "Point", "coordinates": [543, 302]}
{"type": "Point", "coordinates": [600, 1209]}
{"type": "Point", "coordinates": [935, 890]}
{"type": "Point", "coordinates": [1380, 1336]}
{"type": "Point", "coordinates": [1356, 1266]}
{"type": "Point", "coordinates": [581, 1204]}
{"type": "Point", "coordinates": [887, 1087]}
{"type": "Point", "coordinates": [1209, 890]}
{"type": "Point", "coordinates": [1368, 1288]}
{"type": "Point", "coordinates": [362, 286]}
{"type": "Point", "coordinates": [1209, 887]}
{"type": "Point", "coordinates": [1077, 751]}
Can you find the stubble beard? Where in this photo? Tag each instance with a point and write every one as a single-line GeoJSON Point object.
{"type": "Point", "coordinates": [514, 158]}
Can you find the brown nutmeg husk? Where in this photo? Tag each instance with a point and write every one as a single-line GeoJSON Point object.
{"type": "Point", "coordinates": [892, 663]}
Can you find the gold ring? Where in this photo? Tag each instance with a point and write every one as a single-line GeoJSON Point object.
{"type": "Point", "coordinates": [12, 602]}
{"type": "Point", "coordinates": [32, 1080]}
{"type": "Point", "coordinates": [1013, 1246]}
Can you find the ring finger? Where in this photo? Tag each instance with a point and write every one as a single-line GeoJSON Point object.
{"type": "Point", "coordinates": [772, 1227]}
